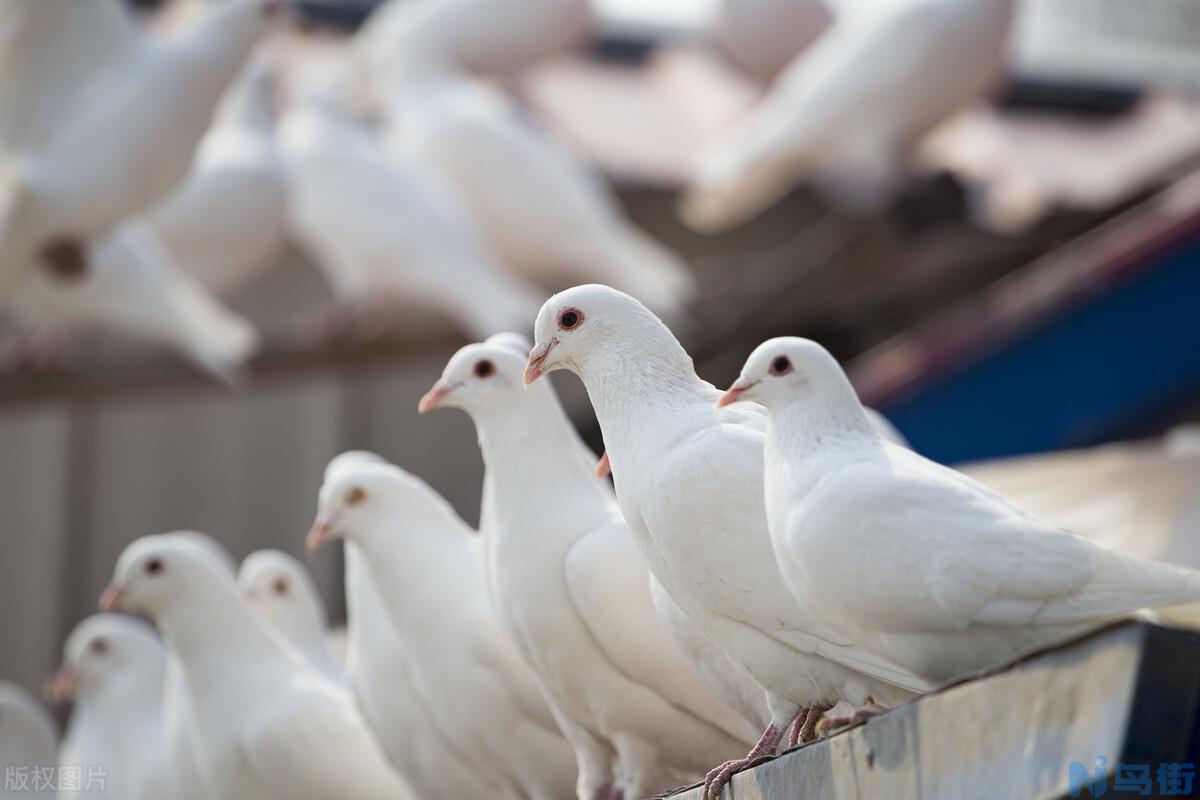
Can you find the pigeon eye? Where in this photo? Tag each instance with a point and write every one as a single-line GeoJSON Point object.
{"type": "Point", "coordinates": [781, 365]}
{"type": "Point", "coordinates": [154, 566]}
{"type": "Point", "coordinates": [100, 647]}
{"type": "Point", "coordinates": [355, 496]}
{"type": "Point", "coordinates": [484, 369]}
{"type": "Point", "coordinates": [569, 319]}
{"type": "Point", "coordinates": [280, 587]}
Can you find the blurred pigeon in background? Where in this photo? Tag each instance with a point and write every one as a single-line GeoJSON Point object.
{"type": "Point", "coordinates": [227, 223]}
{"type": "Point", "coordinates": [487, 36]}
{"type": "Point", "coordinates": [28, 738]}
{"type": "Point", "coordinates": [428, 568]}
{"type": "Point", "coordinates": [133, 286]}
{"type": "Point", "coordinates": [845, 110]}
{"type": "Point", "coordinates": [386, 234]}
{"type": "Point", "coordinates": [761, 37]}
{"type": "Point", "coordinates": [279, 589]}
{"type": "Point", "coordinates": [112, 673]}
{"type": "Point", "coordinates": [268, 725]}
{"type": "Point", "coordinates": [105, 121]}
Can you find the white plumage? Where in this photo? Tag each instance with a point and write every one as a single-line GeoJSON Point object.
{"type": "Point", "coordinates": [572, 591]}
{"type": "Point", "coordinates": [912, 560]}
{"type": "Point", "coordinates": [542, 212]}
{"type": "Point", "coordinates": [381, 678]}
{"type": "Point", "coordinates": [134, 286]}
{"type": "Point", "coordinates": [851, 106]}
{"type": "Point", "coordinates": [227, 223]}
{"type": "Point", "coordinates": [113, 671]}
{"type": "Point", "coordinates": [428, 569]}
{"type": "Point", "coordinates": [266, 724]}
{"type": "Point", "coordinates": [763, 36]}
{"type": "Point", "coordinates": [279, 589]}
{"type": "Point", "coordinates": [28, 739]}
{"type": "Point", "coordinates": [479, 35]}
{"type": "Point", "coordinates": [387, 234]}
{"type": "Point", "coordinates": [105, 120]}
{"type": "Point", "coordinates": [690, 486]}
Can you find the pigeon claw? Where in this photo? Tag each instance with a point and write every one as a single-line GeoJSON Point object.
{"type": "Point", "coordinates": [717, 779]}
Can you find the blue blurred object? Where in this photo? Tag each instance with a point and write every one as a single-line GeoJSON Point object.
{"type": "Point", "coordinates": [1093, 345]}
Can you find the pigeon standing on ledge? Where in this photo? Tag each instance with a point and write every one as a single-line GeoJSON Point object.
{"type": "Point", "coordinates": [690, 484]}
{"type": "Point", "coordinates": [912, 560]}
{"type": "Point", "coordinates": [573, 592]}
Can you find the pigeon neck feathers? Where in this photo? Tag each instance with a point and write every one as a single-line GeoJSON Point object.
{"type": "Point", "coordinates": [641, 382]}
{"type": "Point", "coordinates": [829, 414]}
{"type": "Point", "coordinates": [422, 551]}
{"type": "Point", "coordinates": [531, 442]}
{"type": "Point", "coordinates": [212, 620]}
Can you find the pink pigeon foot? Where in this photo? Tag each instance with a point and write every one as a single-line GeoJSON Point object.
{"type": "Point", "coordinates": [803, 727]}
{"type": "Point", "coordinates": [834, 724]}
{"type": "Point", "coordinates": [717, 779]}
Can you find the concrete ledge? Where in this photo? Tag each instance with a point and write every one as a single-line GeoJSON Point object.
{"type": "Point", "coordinates": [1128, 693]}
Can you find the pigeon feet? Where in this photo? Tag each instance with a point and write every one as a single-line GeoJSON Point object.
{"type": "Point", "coordinates": [829, 725]}
{"type": "Point", "coordinates": [717, 779]}
{"type": "Point", "coordinates": [803, 727]}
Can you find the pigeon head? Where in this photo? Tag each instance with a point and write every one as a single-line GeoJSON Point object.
{"type": "Point", "coordinates": [480, 376]}
{"type": "Point", "coordinates": [278, 588]}
{"type": "Point", "coordinates": [157, 573]}
{"type": "Point", "coordinates": [103, 648]}
{"type": "Point", "coordinates": [354, 496]}
{"type": "Point", "coordinates": [784, 368]}
{"type": "Point", "coordinates": [574, 322]}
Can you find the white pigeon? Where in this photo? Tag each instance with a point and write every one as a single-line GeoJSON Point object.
{"type": "Point", "coordinates": [542, 212]}
{"type": "Point", "coordinates": [133, 286]}
{"type": "Point", "coordinates": [910, 559]}
{"type": "Point", "coordinates": [427, 566]}
{"type": "Point", "coordinates": [379, 671]}
{"type": "Point", "coordinates": [851, 106]}
{"type": "Point", "coordinates": [28, 740]}
{"type": "Point", "coordinates": [690, 486]}
{"type": "Point", "coordinates": [105, 119]}
{"type": "Point", "coordinates": [227, 223]}
{"type": "Point", "coordinates": [762, 36]}
{"type": "Point", "coordinates": [386, 234]}
{"type": "Point", "coordinates": [268, 726]}
{"type": "Point", "coordinates": [112, 672]}
{"type": "Point", "coordinates": [179, 720]}
{"type": "Point", "coordinates": [280, 590]}
{"type": "Point", "coordinates": [573, 592]}
{"type": "Point", "coordinates": [489, 36]}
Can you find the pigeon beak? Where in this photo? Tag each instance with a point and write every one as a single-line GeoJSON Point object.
{"type": "Point", "coordinates": [60, 687]}
{"type": "Point", "coordinates": [434, 397]}
{"type": "Point", "coordinates": [111, 598]}
{"type": "Point", "coordinates": [536, 367]}
{"type": "Point", "coordinates": [603, 468]}
{"type": "Point", "coordinates": [734, 393]}
{"type": "Point", "coordinates": [321, 532]}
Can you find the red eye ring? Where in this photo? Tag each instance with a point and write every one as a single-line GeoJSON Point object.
{"type": "Point", "coordinates": [569, 319]}
{"type": "Point", "coordinates": [780, 365]}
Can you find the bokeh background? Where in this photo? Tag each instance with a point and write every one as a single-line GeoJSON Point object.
{"type": "Point", "coordinates": [1068, 318]}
